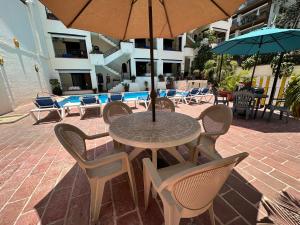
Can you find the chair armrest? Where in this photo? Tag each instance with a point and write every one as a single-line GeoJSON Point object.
{"type": "Point", "coordinates": [151, 172]}
{"type": "Point", "coordinates": [105, 160]}
{"type": "Point", "coordinates": [91, 137]}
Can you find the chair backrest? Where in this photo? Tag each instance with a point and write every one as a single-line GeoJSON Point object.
{"type": "Point", "coordinates": [114, 110]}
{"type": "Point", "coordinates": [194, 91]}
{"type": "Point", "coordinates": [217, 118]}
{"type": "Point", "coordinates": [45, 102]}
{"type": "Point", "coordinates": [85, 100]}
{"type": "Point", "coordinates": [196, 188]}
{"type": "Point", "coordinates": [205, 90]}
{"type": "Point", "coordinates": [243, 98]}
{"type": "Point", "coordinates": [73, 140]}
{"type": "Point", "coordinates": [115, 97]}
{"type": "Point", "coordinates": [163, 104]}
{"type": "Point", "coordinates": [171, 92]}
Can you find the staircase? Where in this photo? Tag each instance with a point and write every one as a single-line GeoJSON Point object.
{"type": "Point", "coordinates": [109, 40]}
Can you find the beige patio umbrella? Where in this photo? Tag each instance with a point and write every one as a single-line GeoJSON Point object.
{"type": "Point", "coordinates": [126, 19]}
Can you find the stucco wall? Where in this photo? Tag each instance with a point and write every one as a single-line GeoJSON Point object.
{"type": "Point", "coordinates": [20, 79]}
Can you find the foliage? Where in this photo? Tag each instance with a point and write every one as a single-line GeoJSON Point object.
{"type": "Point", "coordinates": [146, 83]}
{"type": "Point", "coordinates": [161, 78]}
{"type": "Point", "coordinates": [286, 68]}
{"type": "Point", "coordinates": [55, 85]}
{"type": "Point", "coordinates": [292, 93]}
{"type": "Point", "coordinates": [230, 82]}
{"type": "Point", "coordinates": [248, 63]}
{"type": "Point", "coordinates": [288, 16]}
{"type": "Point", "coordinates": [126, 86]}
{"type": "Point", "coordinates": [204, 54]}
{"type": "Point", "coordinates": [133, 78]}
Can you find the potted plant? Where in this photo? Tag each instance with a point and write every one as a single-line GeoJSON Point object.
{"type": "Point", "coordinates": [229, 85]}
{"type": "Point", "coordinates": [126, 86]}
{"type": "Point", "coordinates": [94, 90]}
{"type": "Point", "coordinates": [55, 85]}
{"type": "Point", "coordinates": [292, 95]}
{"type": "Point", "coordinates": [161, 78]}
{"type": "Point", "coordinates": [170, 83]}
{"type": "Point", "coordinates": [133, 77]}
{"type": "Point", "coordinates": [146, 85]}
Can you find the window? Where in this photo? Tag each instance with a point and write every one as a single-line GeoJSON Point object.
{"type": "Point", "coordinates": [75, 81]}
{"type": "Point", "coordinates": [144, 69]}
{"type": "Point", "coordinates": [173, 44]}
{"type": "Point", "coordinates": [144, 43]}
{"type": "Point", "coordinates": [69, 48]}
{"type": "Point", "coordinates": [171, 68]}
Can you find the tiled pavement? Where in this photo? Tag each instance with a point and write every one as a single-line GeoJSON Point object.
{"type": "Point", "coordinates": [41, 184]}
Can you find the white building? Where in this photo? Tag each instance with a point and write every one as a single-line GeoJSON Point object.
{"type": "Point", "coordinates": [48, 50]}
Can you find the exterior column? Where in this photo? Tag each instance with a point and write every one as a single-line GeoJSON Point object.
{"type": "Point", "coordinates": [132, 66]}
{"type": "Point", "coordinates": [94, 80]}
{"type": "Point", "coordinates": [160, 67]}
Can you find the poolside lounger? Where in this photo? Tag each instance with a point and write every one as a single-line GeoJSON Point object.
{"type": "Point", "coordinates": [203, 94]}
{"type": "Point", "coordinates": [45, 104]}
{"type": "Point", "coordinates": [182, 96]}
{"type": "Point", "coordinates": [144, 100]}
{"type": "Point", "coordinates": [89, 102]}
{"type": "Point", "coordinates": [115, 97]}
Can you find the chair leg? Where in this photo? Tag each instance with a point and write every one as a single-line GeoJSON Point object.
{"type": "Point", "coordinates": [211, 215]}
{"type": "Point", "coordinates": [247, 114]}
{"type": "Point", "coordinates": [173, 151]}
{"type": "Point", "coordinates": [97, 188]}
{"type": "Point", "coordinates": [270, 115]}
{"type": "Point", "coordinates": [132, 182]}
{"type": "Point", "coordinates": [170, 215]}
{"type": "Point", "coordinates": [147, 188]}
{"type": "Point", "coordinates": [262, 115]}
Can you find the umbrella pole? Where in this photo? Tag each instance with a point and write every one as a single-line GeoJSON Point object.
{"type": "Point", "coordinates": [220, 70]}
{"type": "Point", "coordinates": [153, 93]}
{"type": "Point", "coordinates": [276, 78]}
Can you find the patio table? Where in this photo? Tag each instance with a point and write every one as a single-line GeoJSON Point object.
{"type": "Point", "coordinates": [259, 97]}
{"type": "Point", "coordinates": [169, 131]}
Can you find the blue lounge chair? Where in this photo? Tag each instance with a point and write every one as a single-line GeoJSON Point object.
{"type": "Point", "coordinates": [88, 102]}
{"type": "Point", "coordinates": [115, 97]}
{"type": "Point", "coordinates": [44, 104]}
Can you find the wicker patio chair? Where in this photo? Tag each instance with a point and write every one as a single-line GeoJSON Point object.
{"type": "Point", "coordinates": [216, 121]}
{"type": "Point", "coordinates": [187, 190]}
{"type": "Point", "coordinates": [114, 110]}
{"type": "Point", "coordinates": [163, 104]}
{"type": "Point", "coordinates": [243, 101]}
{"type": "Point", "coordinates": [98, 170]}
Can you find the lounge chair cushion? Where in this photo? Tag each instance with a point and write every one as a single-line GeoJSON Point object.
{"type": "Point", "coordinates": [46, 102]}
{"type": "Point", "coordinates": [194, 91]}
{"type": "Point", "coordinates": [88, 100]}
{"type": "Point", "coordinates": [115, 98]}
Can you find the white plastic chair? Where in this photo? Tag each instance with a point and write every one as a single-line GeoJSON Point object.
{"type": "Point", "coordinates": [216, 121]}
{"type": "Point", "coordinates": [99, 170]}
{"type": "Point", "coordinates": [187, 190]}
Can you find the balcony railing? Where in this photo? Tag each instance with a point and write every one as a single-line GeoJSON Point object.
{"type": "Point", "coordinates": [249, 20]}
{"type": "Point", "coordinates": [73, 53]}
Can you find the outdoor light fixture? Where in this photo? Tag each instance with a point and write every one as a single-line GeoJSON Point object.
{"type": "Point", "coordinates": [16, 42]}
{"type": "Point", "coordinates": [1, 61]}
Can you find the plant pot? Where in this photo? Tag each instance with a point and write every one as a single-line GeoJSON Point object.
{"type": "Point", "coordinates": [228, 94]}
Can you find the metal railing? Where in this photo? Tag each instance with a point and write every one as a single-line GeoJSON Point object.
{"type": "Point", "coordinates": [73, 53]}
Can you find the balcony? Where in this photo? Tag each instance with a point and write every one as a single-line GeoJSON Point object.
{"type": "Point", "coordinates": [249, 20]}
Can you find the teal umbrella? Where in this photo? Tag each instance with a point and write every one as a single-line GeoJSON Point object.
{"type": "Point", "coordinates": [262, 41]}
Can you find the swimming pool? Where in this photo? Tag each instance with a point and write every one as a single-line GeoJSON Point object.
{"type": "Point", "coordinates": [103, 97]}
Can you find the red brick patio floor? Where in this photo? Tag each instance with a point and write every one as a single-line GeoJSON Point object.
{"type": "Point", "coordinates": [41, 184]}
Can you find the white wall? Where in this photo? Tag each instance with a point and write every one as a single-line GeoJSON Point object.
{"type": "Point", "coordinates": [18, 74]}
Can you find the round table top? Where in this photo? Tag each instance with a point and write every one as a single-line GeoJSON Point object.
{"type": "Point", "coordinates": [170, 129]}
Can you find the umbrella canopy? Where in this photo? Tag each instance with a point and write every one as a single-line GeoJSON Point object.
{"type": "Point", "coordinates": [265, 40]}
{"type": "Point", "coordinates": [126, 19]}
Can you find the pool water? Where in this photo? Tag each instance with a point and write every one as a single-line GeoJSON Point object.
{"type": "Point", "coordinates": [103, 97]}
